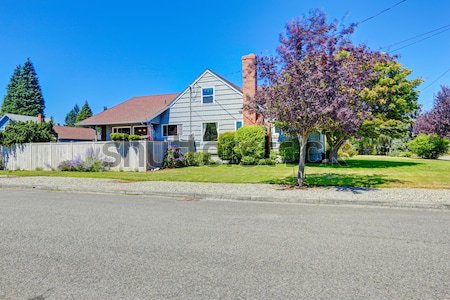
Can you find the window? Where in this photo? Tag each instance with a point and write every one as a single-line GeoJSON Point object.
{"type": "Point", "coordinates": [170, 130]}
{"type": "Point", "coordinates": [207, 95]}
{"type": "Point", "coordinates": [126, 130]}
{"type": "Point", "coordinates": [238, 124]}
{"type": "Point", "coordinates": [210, 132]}
{"type": "Point", "coordinates": [141, 131]}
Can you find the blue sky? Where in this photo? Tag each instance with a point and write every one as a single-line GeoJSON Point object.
{"type": "Point", "coordinates": [108, 51]}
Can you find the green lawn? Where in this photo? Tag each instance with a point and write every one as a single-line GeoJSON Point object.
{"type": "Point", "coordinates": [362, 171]}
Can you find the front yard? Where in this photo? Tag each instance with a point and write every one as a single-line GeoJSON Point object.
{"type": "Point", "coordinates": [361, 171]}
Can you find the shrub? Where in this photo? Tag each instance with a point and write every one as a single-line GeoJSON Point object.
{"type": "Point", "coordinates": [197, 158]}
{"type": "Point", "coordinates": [405, 154]}
{"type": "Point", "coordinates": [92, 163]}
{"type": "Point", "coordinates": [2, 163]}
{"type": "Point", "coordinates": [119, 136]}
{"type": "Point", "coordinates": [225, 147]}
{"type": "Point", "coordinates": [267, 162]}
{"type": "Point", "coordinates": [134, 137]}
{"type": "Point", "coordinates": [347, 150]}
{"type": "Point", "coordinates": [290, 150]}
{"type": "Point", "coordinates": [174, 158]}
{"type": "Point", "coordinates": [428, 146]}
{"type": "Point", "coordinates": [250, 141]}
{"type": "Point", "coordinates": [248, 160]}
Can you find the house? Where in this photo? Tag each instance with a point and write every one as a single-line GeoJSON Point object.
{"type": "Point", "coordinates": [207, 107]}
{"type": "Point", "coordinates": [6, 119]}
{"type": "Point", "coordinates": [75, 134]}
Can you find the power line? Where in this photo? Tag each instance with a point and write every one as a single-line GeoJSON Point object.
{"type": "Point", "coordinates": [381, 12]}
{"type": "Point", "coordinates": [416, 36]}
{"type": "Point", "coordinates": [434, 81]}
{"type": "Point", "coordinates": [425, 38]}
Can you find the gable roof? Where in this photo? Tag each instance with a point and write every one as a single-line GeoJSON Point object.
{"type": "Point", "coordinates": [236, 87]}
{"type": "Point", "coordinates": [74, 133]}
{"type": "Point", "coordinates": [135, 110]}
{"type": "Point", "coordinates": [22, 118]}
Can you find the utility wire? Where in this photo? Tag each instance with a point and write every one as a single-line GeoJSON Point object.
{"type": "Point", "coordinates": [418, 41]}
{"type": "Point", "coordinates": [415, 37]}
{"type": "Point", "coordinates": [381, 12]}
{"type": "Point", "coordinates": [434, 81]}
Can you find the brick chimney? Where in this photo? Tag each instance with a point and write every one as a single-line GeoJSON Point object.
{"type": "Point", "coordinates": [40, 118]}
{"type": "Point", "coordinates": [249, 89]}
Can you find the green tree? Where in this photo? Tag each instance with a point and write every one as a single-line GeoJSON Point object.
{"type": "Point", "coordinates": [9, 101]}
{"type": "Point", "coordinates": [24, 94]}
{"type": "Point", "coordinates": [85, 112]}
{"type": "Point", "coordinates": [28, 132]}
{"type": "Point", "coordinates": [71, 117]}
{"type": "Point", "coordinates": [394, 103]}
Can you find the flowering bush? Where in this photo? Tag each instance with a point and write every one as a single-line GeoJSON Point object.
{"type": "Point", "coordinates": [174, 158]}
{"type": "Point", "coordinates": [92, 163]}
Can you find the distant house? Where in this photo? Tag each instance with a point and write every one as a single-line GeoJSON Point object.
{"type": "Point", "coordinates": [207, 107]}
{"type": "Point", "coordinates": [6, 119]}
{"type": "Point", "coordinates": [75, 134]}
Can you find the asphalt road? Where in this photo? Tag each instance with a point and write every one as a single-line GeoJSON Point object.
{"type": "Point", "coordinates": [57, 245]}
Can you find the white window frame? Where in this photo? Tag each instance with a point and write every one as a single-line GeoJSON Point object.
{"type": "Point", "coordinates": [140, 127]}
{"type": "Point", "coordinates": [120, 127]}
{"type": "Point", "coordinates": [179, 127]}
{"type": "Point", "coordinates": [218, 131]}
{"type": "Point", "coordinates": [213, 94]}
{"type": "Point", "coordinates": [235, 124]}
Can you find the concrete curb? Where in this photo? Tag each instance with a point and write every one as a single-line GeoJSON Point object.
{"type": "Point", "coordinates": [205, 196]}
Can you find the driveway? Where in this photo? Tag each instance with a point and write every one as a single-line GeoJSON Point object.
{"type": "Point", "coordinates": [60, 245]}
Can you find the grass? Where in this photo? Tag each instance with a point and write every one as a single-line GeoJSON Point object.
{"type": "Point", "coordinates": [362, 171]}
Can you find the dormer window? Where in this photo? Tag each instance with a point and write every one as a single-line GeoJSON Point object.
{"type": "Point", "coordinates": [207, 95]}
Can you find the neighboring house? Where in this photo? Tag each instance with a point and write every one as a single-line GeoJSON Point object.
{"type": "Point", "coordinates": [75, 134]}
{"type": "Point", "coordinates": [6, 119]}
{"type": "Point", "coordinates": [207, 107]}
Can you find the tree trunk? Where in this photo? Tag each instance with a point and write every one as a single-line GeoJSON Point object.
{"type": "Point", "coordinates": [302, 140]}
{"type": "Point", "coordinates": [335, 143]}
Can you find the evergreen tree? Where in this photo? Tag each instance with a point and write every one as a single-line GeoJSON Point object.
{"type": "Point", "coordinates": [24, 94]}
{"type": "Point", "coordinates": [71, 117]}
{"type": "Point", "coordinates": [85, 112]}
{"type": "Point", "coordinates": [9, 103]}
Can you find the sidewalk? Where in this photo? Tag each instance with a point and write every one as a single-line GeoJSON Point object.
{"type": "Point", "coordinates": [412, 198]}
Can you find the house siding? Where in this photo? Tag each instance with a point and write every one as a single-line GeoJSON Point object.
{"type": "Point", "coordinates": [226, 110]}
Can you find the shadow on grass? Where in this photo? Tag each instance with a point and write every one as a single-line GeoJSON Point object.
{"type": "Point", "coordinates": [342, 181]}
{"type": "Point", "coordinates": [367, 164]}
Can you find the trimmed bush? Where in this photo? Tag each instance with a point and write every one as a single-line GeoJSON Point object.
{"type": "Point", "coordinates": [290, 150]}
{"type": "Point", "coordinates": [250, 141]}
{"type": "Point", "coordinates": [134, 137]}
{"type": "Point", "coordinates": [428, 146]}
{"type": "Point", "coordinates": [267, 162]}
{"type": "Point", "coordinates": [347, 150]}
{"type": "Point", "coordinates": [225, 147]}
{"type": "Point", "coordinates": [119, 136]}
{"type": "Point", "coordinates": [197, 159]}
{"type": "Point", "coordinates": [248, 160]}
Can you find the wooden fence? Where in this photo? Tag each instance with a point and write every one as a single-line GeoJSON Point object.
{"type": "Point", "coordinates": [127, 156]}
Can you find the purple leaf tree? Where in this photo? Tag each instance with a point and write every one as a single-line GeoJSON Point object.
{"type": "Point", "coordinates": [438, 119]}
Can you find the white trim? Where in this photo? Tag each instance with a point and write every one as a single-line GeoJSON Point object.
{"type": "Point", "coordinates": [179, 128]}
{"type": "Point", "coordinates": [218, 130]}
{"type": "Point", "coordinates": [235, 124]}
{"type": "Point", "coordinates": [213, 94]}
{"type": "Point", "coordinates": [118, 127]}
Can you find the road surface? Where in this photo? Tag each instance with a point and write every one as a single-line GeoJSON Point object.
{"type": "Point", "coordinates": [57, 245]}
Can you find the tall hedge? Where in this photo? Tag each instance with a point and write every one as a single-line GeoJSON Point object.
{"type": "Point", "coordinates": [251, 141]}
{"type": "Point", "coordinates": [226, 144]}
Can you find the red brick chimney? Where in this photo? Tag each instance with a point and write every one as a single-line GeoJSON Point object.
{"type": "Point", "coordinates": [40, 118]}
{"type": "Point", "coordinates": [249, 89]}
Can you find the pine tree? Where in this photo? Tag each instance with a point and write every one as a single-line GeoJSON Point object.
{"type": "Point", "coordinates": [85, 112]}
{"type": "Point", "coordinates": [24, 94]}
{"type": "Point", "coordinates": [71, 117]}
{"type": "Point", "coordinates": [9, 103]}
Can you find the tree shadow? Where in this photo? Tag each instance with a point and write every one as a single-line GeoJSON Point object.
{"type": "Point", "coordinates": [343, 182]}
{"type": "Point", "coordinates": [367, 164]}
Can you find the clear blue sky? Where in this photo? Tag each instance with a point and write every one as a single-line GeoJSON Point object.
{"type": "Point", "coordinates": [108, 51]}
